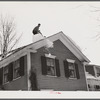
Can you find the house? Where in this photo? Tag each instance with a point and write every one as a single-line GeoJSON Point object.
{"type": "Point", "coordinates": [35, 67]}
{"type": "Point", "coordinates": [93, 77]}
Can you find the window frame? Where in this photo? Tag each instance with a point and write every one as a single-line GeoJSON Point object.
{"type": "Point", "coordinates": [52, 58]}
{"type": "Point", "coordinates": [52, 67]}
{"type": "Point", "coordinates": [14, 68]}
{"type": "Point", "coordinates": [4, 74]}
{"type": "Point", "coordinates": [70, 61]}
{"type": "Point", "coordinates": [97, 67]}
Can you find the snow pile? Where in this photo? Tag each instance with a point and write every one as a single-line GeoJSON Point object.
{"type": "Point", "coordinates": [37, 37]}
{"type": "Point", "coordinates": [48, 43]}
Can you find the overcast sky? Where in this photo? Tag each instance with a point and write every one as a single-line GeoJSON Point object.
{"type": "Point", "coordinates": [78, 20]}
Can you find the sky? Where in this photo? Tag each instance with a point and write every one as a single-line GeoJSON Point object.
{"type": "Point", "coordinates": [78, 20]}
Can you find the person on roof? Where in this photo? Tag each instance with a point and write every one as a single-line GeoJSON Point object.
{"type": "Point", "coordinates": [36, 30]}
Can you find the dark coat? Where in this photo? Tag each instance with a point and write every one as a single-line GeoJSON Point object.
{"type": "Point", "coordinates": [35, 30]}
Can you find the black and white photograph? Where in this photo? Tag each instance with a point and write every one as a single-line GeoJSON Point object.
{"type": "Point", "coordinates": [50, 46]}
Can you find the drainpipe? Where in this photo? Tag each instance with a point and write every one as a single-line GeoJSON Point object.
{"type": "Point", "coordinates": [28, 69]}
{"type": "Point", "coordinates": [85, 63]}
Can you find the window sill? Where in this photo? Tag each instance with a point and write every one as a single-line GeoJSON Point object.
{"type": "Point", "coordinates": [51, 76]}
{"type": "Point", "coordinates": [11, 81]}
{"type": "Point", "coordinates": [73, 78]}
{"type": "Point", "coordinates": [5, 83]}
{"type": "Point", "coordinates": [16, 78]}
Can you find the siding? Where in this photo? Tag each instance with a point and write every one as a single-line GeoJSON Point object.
{"type": "Point", "coordinates": [20, 83]}
{"type": "Point", "coordinates": [58, 83]}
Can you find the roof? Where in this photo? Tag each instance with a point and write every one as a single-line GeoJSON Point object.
{"type": "Point", "coordinates": [68, 42]}
{"type": "Point", "coordinates": [92, 65]}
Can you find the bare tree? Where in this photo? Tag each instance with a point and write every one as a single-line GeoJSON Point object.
{"type": "Point", "coordinates": [8, 37]}
{"type": "Point", "coordinates": [96, 10]}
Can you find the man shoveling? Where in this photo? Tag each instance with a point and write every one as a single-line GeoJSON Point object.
{"type": "Point", "coordinates": [36, 30]}
{"type": "Point", "coordinates": [48, 43]}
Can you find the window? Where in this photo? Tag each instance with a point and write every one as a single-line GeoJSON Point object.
{"type": "Point", "coordinates": [12, 70]}
{"type": "Point", "coordinates": [72, 72]}
{"type": "Point", "coordinates": [51, 67]}
{"type": "Point", "coordinates": [6, 73]}
{"type": "Point", "coordinates": [19, 67]}
{"type": "Point", "coordinates": [97, 71]}
{"type": "Point", "coordinates": [16, 69]}
{"type": "Point", "coordinates": [71, 69]}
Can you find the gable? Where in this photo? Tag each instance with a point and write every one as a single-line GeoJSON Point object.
{"type": "Point", "coordinates": [62, 50]}
{"type": "Point", "coordinates": [59, 46]}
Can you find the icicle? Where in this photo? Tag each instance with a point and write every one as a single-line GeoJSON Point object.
{"type": "Point", "coordinates": [49, 54]}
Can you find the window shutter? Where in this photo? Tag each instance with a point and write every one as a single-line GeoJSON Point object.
{"type": "Point", "coordinates": [66, 69]}
{"type": "Point", "coordinates": [57, 67]}
{"type": "Point", "coordinates": [10, 72]}
{"type": "Point", "coordinates": [1, 76]}
{"type": "Point", "coordinates": [77, 71]}
{"type": "Point", "coordinates": [22, 64]}
{"type": "Point", "coordinates": [44, 65]}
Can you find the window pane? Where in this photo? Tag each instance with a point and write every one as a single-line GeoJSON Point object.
{"type": "Point", "coordinates": [52, 71]}
{"type": "Point", "coordinates": [6, 69]}
{"type": "Point", "coordinates": [5, 78]}
{"type": "Point", "coordinates": [49, 70]}
{"type": "Point", "coordinates": [51, 66]}
{"type": "Point", "coordinates": [17, 73]}
{"type": "Point", "coordinates": [71, 66]}
{"type": "Point", "coordinates": [98, 71]}
{"type": "Point", "coordinates": [16, 69]}
{"type": "Point", "coordinates": [72, 73]}
{"type": "Point", "coordinates": [16, 64]}
{"type": "Point", "coordinates": [52, 62]}
{"type": "Point", "coordinates": [48, 62]}
{"type": "Point", "coordinates": [6, 74]}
